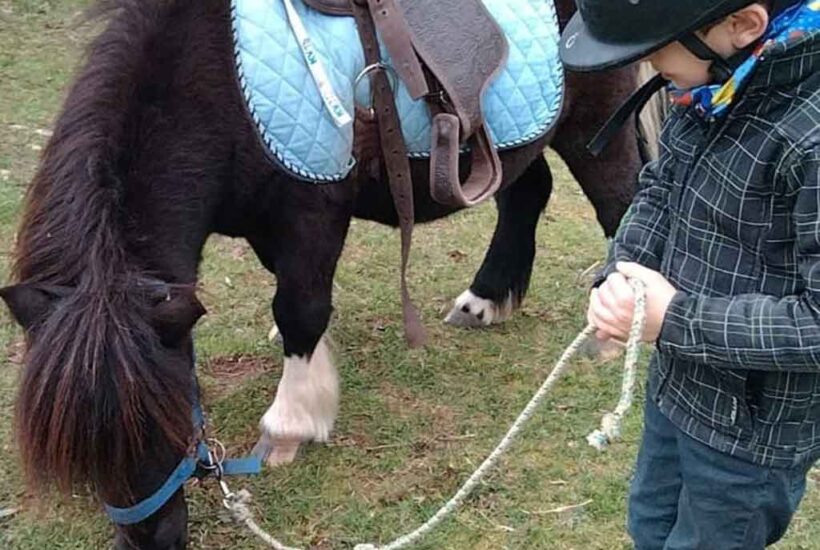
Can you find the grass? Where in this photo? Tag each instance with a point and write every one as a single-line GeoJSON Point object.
{"type": "Point", "coordinates": [413, 424]}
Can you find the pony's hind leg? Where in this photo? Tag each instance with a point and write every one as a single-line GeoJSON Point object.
{"type": "Point", "coordinates": [503, 279]}
{"type": "Point", "coordinates": [303, 255]}
{"type": "Point", "coordinates": [608, 180]}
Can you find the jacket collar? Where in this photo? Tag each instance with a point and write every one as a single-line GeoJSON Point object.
{"type": "Point", "coordinates": [787, 64]}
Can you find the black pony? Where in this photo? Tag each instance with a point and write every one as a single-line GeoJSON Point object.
{"type": "Point", "coordinates": [151, 154]}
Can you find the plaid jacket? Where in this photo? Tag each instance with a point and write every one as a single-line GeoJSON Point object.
{"type": "Point", "coordinates": [730, 214]}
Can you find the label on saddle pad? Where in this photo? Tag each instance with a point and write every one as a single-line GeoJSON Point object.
{"type": "Point", "coordinates": [521, 105]}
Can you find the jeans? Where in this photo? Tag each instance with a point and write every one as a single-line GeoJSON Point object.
{"type": "Point", "coordinates": [686, 495]}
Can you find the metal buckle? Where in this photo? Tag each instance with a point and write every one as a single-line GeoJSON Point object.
{"type": "Point", "coordinates": [216, 456]}
{"type": "Point", "coordinates": [439, 96]}
{"type": "Point", "coordinates": [392, 77]}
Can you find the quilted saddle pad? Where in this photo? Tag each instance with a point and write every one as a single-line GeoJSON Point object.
{"type": "Point", "coordinates": [521, 105]}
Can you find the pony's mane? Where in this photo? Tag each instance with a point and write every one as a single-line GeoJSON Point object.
{"type": "Point", "coordinates": [96, 379]}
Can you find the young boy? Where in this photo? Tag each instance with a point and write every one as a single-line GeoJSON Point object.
{"type": "Point", "coordinates": [725, 233]}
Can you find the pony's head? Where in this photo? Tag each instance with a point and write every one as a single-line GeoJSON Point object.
{"type": "Point", "coordinates": [106, 394]}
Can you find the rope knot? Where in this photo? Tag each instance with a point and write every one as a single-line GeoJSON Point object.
{"type": "Point", "coordinates": [611, 422]}
{"type": "Point", "coordinates": [238, 505]}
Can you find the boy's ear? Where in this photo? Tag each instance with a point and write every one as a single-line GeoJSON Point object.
{"type": "Point", "coordinates": [28, 304]}
{"type": "Point", "coordinates": [747, 25]}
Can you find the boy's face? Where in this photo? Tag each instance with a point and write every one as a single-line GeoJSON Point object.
{"type": "Point", "coordinates": [726, 38]}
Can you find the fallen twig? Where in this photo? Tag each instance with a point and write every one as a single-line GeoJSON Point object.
{"type": "Point", "coordinates": [588, 271]}
{"type": "Point", "coordinates": [559, 510]}
{"type": "Point", "coordinates": [8, 512]}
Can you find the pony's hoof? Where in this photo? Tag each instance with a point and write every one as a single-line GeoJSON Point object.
{"type": "Point", "coordinates": [470, 311]}
{"type": "Point", "coordinates": [274, 335]}
{"type": "Point", "coordinates": [276, 452]}
{"type": "Point", "coordinates": [602, 351]}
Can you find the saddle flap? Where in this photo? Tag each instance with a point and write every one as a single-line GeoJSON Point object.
{"type": "Point", "coordinates": [464, 48]}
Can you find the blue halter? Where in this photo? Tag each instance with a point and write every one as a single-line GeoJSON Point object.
{"type": "Point", "coordinates": [201, 465]}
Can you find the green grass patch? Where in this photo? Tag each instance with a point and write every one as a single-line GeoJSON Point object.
{"type": "Point", "coordinates": [413, 424]}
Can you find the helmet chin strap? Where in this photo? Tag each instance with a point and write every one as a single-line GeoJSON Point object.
{"type": "Point", "coordinates": [721, 69]}
{"type": "Point", "coordinates": [633, 105]}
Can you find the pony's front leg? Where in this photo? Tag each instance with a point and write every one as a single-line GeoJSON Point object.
{"type": "Point", "coordinates": [305, 407]}
{"type": "Point", "coordinates": [307, 398]}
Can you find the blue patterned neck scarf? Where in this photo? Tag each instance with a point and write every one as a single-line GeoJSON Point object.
{"type": "Point", "coordinates": [713, 101]}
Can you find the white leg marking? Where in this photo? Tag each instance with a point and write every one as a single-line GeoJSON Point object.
{"type": "Point", "coordinates": [307, 399]}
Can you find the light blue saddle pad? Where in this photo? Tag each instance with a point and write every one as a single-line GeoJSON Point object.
{"type": "Point", "coordinates": [521, 104]}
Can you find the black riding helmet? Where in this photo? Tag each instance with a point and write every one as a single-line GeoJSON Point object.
{"type": "Point", "coordinates": [605, 34]}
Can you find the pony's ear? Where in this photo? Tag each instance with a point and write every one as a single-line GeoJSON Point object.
{"type": "Point", "coordinates": [174, 316]}
{"type": "Point", "coordinates": [28, 304]}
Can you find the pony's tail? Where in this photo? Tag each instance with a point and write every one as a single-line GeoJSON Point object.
{"type": "Point", "coordinates": [98, 385]}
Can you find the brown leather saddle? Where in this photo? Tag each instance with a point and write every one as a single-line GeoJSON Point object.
{"type": "Point", "coordinates": [446, 52]}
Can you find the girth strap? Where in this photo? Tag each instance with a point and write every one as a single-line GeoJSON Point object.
{"type": "Point", "coordinates": [395, 160]}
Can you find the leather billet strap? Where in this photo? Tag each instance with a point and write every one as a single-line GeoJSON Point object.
{"type": "Point", "coordinates": [396, 163]}
{"type": "Point", "coordinates": [395, 34]}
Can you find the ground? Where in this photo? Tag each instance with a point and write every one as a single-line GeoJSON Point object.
{"type": "Point", "coordinates": [413, 424]}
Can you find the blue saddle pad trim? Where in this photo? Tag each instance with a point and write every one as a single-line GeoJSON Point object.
{"type": "Point", "coordinates": [521, 105]}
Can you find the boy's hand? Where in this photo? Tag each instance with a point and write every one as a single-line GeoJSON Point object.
{"type": "Point", "coordinates": [612, 305]}
{"type": "Point", "coordinates": [610, 308]}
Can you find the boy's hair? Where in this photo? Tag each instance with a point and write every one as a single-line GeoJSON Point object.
{"type": "Point", "coordinates": [765, 3]}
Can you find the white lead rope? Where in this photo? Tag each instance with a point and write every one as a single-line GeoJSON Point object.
{"type": "Point", "coordinates": [610, 430]}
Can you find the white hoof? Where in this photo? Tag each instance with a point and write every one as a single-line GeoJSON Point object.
{"type": "Point", "coordinates": [274, 335]}
{"type": "Point", "coordinates": [305, 407]}
{"type": "Point", "coordinates": [472, 311]}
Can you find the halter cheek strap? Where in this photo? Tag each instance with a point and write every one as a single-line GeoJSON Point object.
{"type": "Point", "coordinates": [203, 463]}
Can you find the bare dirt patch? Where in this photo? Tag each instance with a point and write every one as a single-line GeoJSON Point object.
{"type": "Point", "coordinates": [228, 372]}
